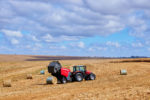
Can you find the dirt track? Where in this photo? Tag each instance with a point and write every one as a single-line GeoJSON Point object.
{"type": "Point", "coordinates": [109, 85]}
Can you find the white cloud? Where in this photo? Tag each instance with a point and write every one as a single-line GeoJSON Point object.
{"type": "Point", "coordinates": [34, 47]}
{"type": "Point", "coordinates": [137, 44]}
{"type": "Point", "coordinates": [48, 38]}
{"type": "Point", "coordinates": [28, 46]}
{"type": "Point", "coordinates": [114, 44]}
{"type": "Point", "coordinates": [11, 33]}
{"type": "Point", "coordinates": [139, 26]}
{"type": "Point", "coordinates": [99, 17]}
{"type": "Point", "coordinates": [14, 41]}
{"type": "Point", "coordinates": [93, 49]}
{"type": "Point", "coordinates": [38, 45]}
{"type": "Point", "coordinates": [147, 42]}
{"type": "Point", "coordinates": [81, 44]}
{"type": "Point", "coordinates": [102, 48]}
{"type": "Point", "coordinates": [34, 38]}
{"type": "Point", "coordinates": [47, 18]}
{"type": "Point", "coordinates": [63, 47]}
{"type": "Point", "coordinates": [69, 38]}
{"type": "Point", "coordinates": [55, 21]}
{"type": "Point", "coordinates": [77, 44]}
{"type": "Point", "coordinates": [57, 47]}
{"type": "Point", "coordinates": [109, 7]}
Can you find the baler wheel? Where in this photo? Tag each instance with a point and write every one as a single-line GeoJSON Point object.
{"type": "Point", "coordinates": [63, 80]}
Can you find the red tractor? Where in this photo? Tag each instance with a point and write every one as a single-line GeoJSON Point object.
{"type": "Point", "coordinates": [64, 75]}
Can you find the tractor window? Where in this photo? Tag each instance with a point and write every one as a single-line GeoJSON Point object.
{"type": "Point", "coordinates": [77, 69]}
{"type": "Point", "coordinates": [74, 69]}
{"type": "Point", "coordinates": [82, 68]}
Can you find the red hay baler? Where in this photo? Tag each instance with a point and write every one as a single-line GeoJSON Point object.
{"type": "Point", "coordinates": [65, 75]}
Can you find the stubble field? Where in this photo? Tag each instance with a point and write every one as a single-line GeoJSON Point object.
{"type": "Point", "coordinates": [109, 84]}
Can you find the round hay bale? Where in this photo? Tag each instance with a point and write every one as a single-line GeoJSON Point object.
{"type": "Point", "coordinates": [123, 72]}
{"type": "Point", "coordinates": [42, 72]}
{"type": "Point", "coordinates": [7, 83]}
{"type": "Point", "coordinates": [29, 76]}
{"type": "Point", "coordinates": [51, 80]}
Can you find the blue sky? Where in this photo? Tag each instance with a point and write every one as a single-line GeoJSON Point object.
{"type": "Point", "coordinates": [114, 28]}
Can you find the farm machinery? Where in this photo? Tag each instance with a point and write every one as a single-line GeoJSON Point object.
{"type": "Point", "coordinates": [65, 75]}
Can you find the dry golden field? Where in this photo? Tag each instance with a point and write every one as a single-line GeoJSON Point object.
{"type": "Point", "coordinates": [109, 84]}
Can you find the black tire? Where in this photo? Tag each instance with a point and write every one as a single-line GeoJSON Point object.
{"type": "Point", "coordinates": [78, 77]}
{"type": "Point", "coordinates": [92, 76]}
{"type": "Point", "coordinates": [63, 80]}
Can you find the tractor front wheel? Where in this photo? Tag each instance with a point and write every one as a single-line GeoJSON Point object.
{"type": "Point", "coordinates": [79, 77]}
{"type": "Point", "coordinates": [92, 76]}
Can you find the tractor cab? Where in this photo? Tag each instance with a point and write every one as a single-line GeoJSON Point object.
{"type": "Point", "coordinates": [79, 68]}
{"type": "Point", "coordinates": [80, 73]}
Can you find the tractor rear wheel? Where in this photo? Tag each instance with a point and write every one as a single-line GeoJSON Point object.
{"type": "Point", "coordinates": [63, 80]}
{"type": "Point", "coordinates": [92, 76]}
{"type": "Point", "coordinates": [78, 77]}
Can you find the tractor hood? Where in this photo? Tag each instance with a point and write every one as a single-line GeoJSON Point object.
{"type": "Point", "coordinates": [88, 72]}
